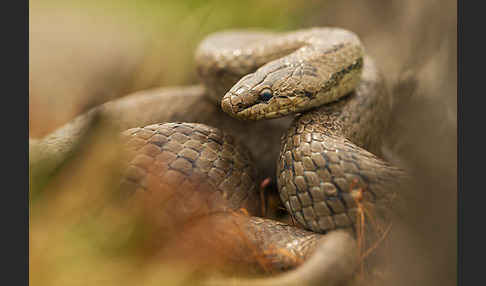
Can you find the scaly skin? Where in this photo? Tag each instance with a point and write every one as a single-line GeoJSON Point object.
{"type": "Point", "coordinates": [264, 75]}
{"type": "Point", "coordinates": [325, 171]}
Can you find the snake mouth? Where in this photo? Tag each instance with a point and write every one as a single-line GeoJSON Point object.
{"type": "Point", "coordinates": [248, 114]}
{"type": "Point", "coordinates": [278, 107]}
{"type": "Point", "coordinates": [252, 113]}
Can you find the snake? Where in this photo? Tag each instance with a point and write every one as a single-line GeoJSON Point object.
{"type": "Point", "coordinates": [305, 107]}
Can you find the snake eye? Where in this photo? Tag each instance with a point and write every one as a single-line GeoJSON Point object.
{"type": "Point", "coordinates": [266, 94]}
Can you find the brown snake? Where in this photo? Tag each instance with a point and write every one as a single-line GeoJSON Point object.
{"type": "Point", "coordinates": [326, 165]}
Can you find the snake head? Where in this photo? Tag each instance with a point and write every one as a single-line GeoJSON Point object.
{"type": "Point", "coordinates": [243, 100]}
{"type": "Point", "coordinates": [270, 92]}
{"type": "Point", "coordinates": [282, 87]}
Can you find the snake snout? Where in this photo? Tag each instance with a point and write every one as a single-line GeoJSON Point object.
{"type": "Point", "coordinates": [227, 106]}
{"type": "Point", "coordinates": [233, 103]}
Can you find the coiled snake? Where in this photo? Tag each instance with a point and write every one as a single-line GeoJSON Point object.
{"type": "Point", "coordinates": [326, 165]}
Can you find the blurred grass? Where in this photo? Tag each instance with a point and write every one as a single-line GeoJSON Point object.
{"type": "Point", "coordinates": [83, 53]}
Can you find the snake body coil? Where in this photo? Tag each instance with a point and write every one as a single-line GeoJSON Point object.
{"type": "Point", "coordinates": [323, 167]}
{"type": "Point", "coordinates": [326, 164]}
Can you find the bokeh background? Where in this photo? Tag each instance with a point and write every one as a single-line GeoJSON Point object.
{"type": "Point", "coordinates": [83, 53]}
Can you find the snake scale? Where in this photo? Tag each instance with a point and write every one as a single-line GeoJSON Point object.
{"type": "Point", "coordinates": [327, 162]}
